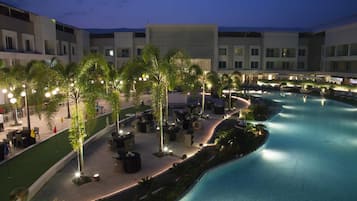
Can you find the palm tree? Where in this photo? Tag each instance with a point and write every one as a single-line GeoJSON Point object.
{"type": "Point", "coordinates": [197, 77]}
{"type": "Point", "coordinates": [114, 95]}
{"type": "Point", "coordinates": [33, 81]}
{"type": "Point", "coordinates": [159, 74]}
{"type": "Point", "coordinates": [215, 82]}
{"type": "Point", "coordinates": [230, 82]}
{"type": "Point", "coordinates": [87, 86]}
{"type": "Point", "coordinates": [67, 73]}
{"type": "Point", "coordinates": [175, 61]}
{"type": "Point", "coordinates": [157, 71]}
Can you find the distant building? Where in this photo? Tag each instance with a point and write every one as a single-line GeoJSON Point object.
{"type": "Point", "coordinates": [329, 53]}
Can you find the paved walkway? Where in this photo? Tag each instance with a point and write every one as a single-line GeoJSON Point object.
{"type": "Point", "coordinates": [99, 158]}
{"type": "Point", "coordinates": [60, 121]}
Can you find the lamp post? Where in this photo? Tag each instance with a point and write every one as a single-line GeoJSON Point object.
{"type": "Point", "coordinates": [24, 94]}
{"type": "Point", "coordinates": [13, 101]}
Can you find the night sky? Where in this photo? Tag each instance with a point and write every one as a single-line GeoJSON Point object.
{"type": "Point", "coordinates": [232, 13]}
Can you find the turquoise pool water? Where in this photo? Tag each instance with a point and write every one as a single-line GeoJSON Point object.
{"type": "Point", "coordinates": [311, 155]}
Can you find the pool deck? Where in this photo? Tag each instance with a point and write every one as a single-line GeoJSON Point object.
{"type": "Point", "coordinates": [99, 158]}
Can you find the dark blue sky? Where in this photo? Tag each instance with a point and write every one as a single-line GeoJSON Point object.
{"type": "Point", "coordinates": [234, 13]}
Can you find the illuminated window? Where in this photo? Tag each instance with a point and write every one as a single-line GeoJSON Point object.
{"type": "Point", "coordinates": [109, 52]}
{"type": "Point", "coordinates": [238, 51]}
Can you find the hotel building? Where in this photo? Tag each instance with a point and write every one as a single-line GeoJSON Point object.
{"type": "Point", "coordinates": [258, 53]}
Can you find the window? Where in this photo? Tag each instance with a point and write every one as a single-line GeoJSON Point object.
{"type": "Point", "coordinates": [64, 50]}
{"type": "Point", "coordinates": [342, 50]}
{"type": "Point", "coordinates": [139, 51]}
{"type": "Point", "coordinates": [302, 52]}
{"type": "Point", "coordinates": [254, 64]}
{"type": "Point", "coordinates": [27, 46]}
{"type": "Point", "coordinates": [301, 65]}
{"type": "Point", "coordinates": [288, 52]}
{"type": "Point", "coordinates": [238, 64]}
{"type": "Point", "coordinates": [94, 51]}
{"type": "Point", "coordinates": [222, 64]}
{"type": "Point", "coordinates": [9, 44]}
{"type": "Point", "coordinates": [222, 51]}
{"type": "Point", "coordinates": [73, 52]}
{"type": "Point", "coordinates": [238, 51]}
{"type": "Point", "coordinates": [123, 52]}
{"type": "Point", "coordinates": [270, 65]}
{"type": "Point", "coordinates": [286, 65]}
{"type": "Point", "coordinates": [109, 52]}
{"type": "Point", "coordinates": [272, 52]}
{"type": "Point", "coordinates": [254, 52]}
{"type": "Point", "coordinates": [353, 50]}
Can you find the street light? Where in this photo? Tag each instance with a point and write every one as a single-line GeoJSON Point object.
{"type": "Point", "coordinates": [13, 101]}
{"type": "Point", "coordinates": [24, 94]}
{"type": "Point", "coordinates": [47, 94]}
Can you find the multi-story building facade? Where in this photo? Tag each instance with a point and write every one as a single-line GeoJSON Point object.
{"type": "Point", "coordinates": [25, 36]}
{"type": "Point", "coordinates": [257, 53]}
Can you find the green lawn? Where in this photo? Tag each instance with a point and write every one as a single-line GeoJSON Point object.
{"type": "Point", "coordinates": [26, 168]}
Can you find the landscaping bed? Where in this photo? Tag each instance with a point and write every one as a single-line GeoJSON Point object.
{"type": "Point", "coordinates": [232, 143]}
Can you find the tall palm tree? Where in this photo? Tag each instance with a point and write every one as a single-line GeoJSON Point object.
{"type": "Point", "coordinates": [160, 75]}
{"type": "Point", "coordinates": [113, 96]}
{"type": "Point", "coordinates": [67, 73]}
{"type": "Point", "coordinates": [175, 62]}
{"type": "Point", "coordinates": [197, 77]}
{"type": "Point", "coordinates": [87, 87]}
{"type": "Point", "coordinates": [35, 79]}
{"type": "Point", "coordinates": [231, 81]}
{"type": "Point", "coordinates": [215, 82]}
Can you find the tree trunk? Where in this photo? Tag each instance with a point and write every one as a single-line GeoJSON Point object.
{"type": "Point", "coordinates": [161, 127]}
{"type": "Point", "coordinates": [117, 123]}
{"type": "Point", "coordinates": [80, 141]}
{"type": "Point", "coordinates": [166, 105]}
{"type": "Point", "coordinates": [68, 109]}
{"type": "Point", "coordinates": [230, 100]}
{"type": "Point", "coordinates": [80, 157]}
{"type": "Point", "coordinates": [203, 99]}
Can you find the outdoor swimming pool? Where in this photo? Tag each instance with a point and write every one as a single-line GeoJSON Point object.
{"type": "Point", "coordinates": [311, 155]}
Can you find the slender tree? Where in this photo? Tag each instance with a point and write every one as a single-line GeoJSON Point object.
{"type": "Point", "coordinates": [33, 81]}
{"type": "Point", "coordinates": [155, 71]}
{"type": "Point", "coordinates": [87, 86]}
{"type": "Point", "coordinates": [67, 72]}
{"type": "Point", "coordinates": [113, 96]}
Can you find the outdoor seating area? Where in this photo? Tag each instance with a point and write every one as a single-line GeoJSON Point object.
{"type": "Point", "coordinates": [21, 138]}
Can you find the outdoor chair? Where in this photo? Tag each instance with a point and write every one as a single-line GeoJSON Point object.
{"type": "Point", "coordinates": [11, 137]}
{"type": "Point", "coordinates": [19, 140]}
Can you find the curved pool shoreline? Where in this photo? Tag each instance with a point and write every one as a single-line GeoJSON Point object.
{"type": "Point", "coordinates": [280, 152]}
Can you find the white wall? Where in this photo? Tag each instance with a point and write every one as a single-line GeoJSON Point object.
{"type": "Point", "coordinates": [280, 40]}
{"type": "Point", "coordinates": [44, 29]}
{"type": "Point", "coordinates": [341, 35]}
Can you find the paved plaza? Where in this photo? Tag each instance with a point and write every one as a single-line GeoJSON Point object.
{"type": "Point", "coordinates": [102, 159]}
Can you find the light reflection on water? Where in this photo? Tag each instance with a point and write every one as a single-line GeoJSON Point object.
{"type": "Point", "coordinates": [310, 155]}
